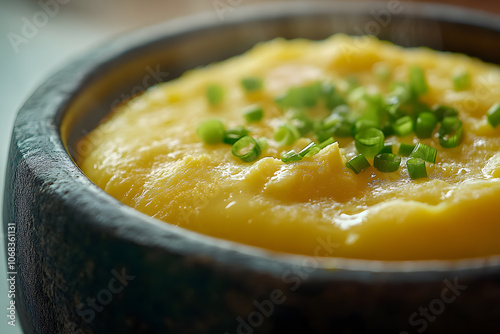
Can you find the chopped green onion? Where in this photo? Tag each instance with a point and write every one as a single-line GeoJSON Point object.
{"type": "Point", "coordinates": [332, 98]}
{"type": "Point", "coordinates": [252, 84]}
{"type": "Point", "coordinates": [358, 164]}
{"type": "Point", "coordinates": [290, 156]}
{"type": "Point", "coordinates": [352, 82]}
{"type": "Point", "coordinates": [400, 93]}
{"type": "Point", "coordinates": [300, 97]}
{"type": "Point", "coordinates": [363, 124]}
{"type": "Point", "coordinates": [403, 126]}
{"type": "Point", "coordinates": [300, 121]}
{"type": "Point", "coordinates": [387, 148]}
{"type": "Point", "coordinates": [416, 168]}
{"type": "Point", "coordinates": [461, 81]}
{"type": "Point", "coordinates": [494, 115]}
{"type": "Point", "coordinates": [246, 148]}
{"type": "Point", "coordinates": [425, 153]}
{"type": "Point", "coordinates": [263, 144]}
{"type": "Point", "coordinates": [405, 149]}
{"type": "Point", "coordinates": [343, 129]}
{"type": "Point", "coordinates": [215, 94]}
{"type": "Point", "coordinates": [310, 150]}
{"type": "Point", "coordinates": [326, 143]}
{"type": "Point", "coordinates": [444, 111]}
{"type": "Point", "coordinates": [369, 142]}
{"type": "Point", "coordinates": [211, 131]}
{"type": "Point", "coordinates": [233, 135]}
{"type": "Point", "coordinates": [418, 83]}
{"type": "Point", "coordinates": [425, 124]}
{"type": "Point", "coordinates": [450, 132]}
{"type": "Point", "coordinates": [387, 162]}
{"type": "Point", "coordinates": [286, 134]}
{"type": "Point", "coordinates": [253, 113]}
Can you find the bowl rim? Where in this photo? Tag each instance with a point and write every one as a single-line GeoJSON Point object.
{"type": "Point", "coordinates": [41, 118]}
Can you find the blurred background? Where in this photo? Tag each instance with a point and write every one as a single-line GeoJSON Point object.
{"type": "Point", "coordinates": [39, 36]}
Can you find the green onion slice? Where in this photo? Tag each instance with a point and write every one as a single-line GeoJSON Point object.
{"type": "Point", "coordinates": [215, 94]}
{"type": "Point", "coordinates": [425, 153]}
{"type": "Point", "coordinates": [418, 83]}
{"type": "Point", "coordinates": [369, 142]}
{"type": "Point", "coordinates": [252, 84]}
{"type": "Point", "coordinates": [233, 135]}
{"type": "Point", "coordinates": [405, 149]}
{"type": "Point", "coordinates": [253, 113]}
{"type": "Point", "coordinates": [246, 148]}
{"type": "Point", "coordinates": [211, 131]}
{"type": "Point", "coordinates": [358, 164]}
{"type": "Point", "coordinates": [416, 168]}
{"type": "Point", "coordinates": [444, 111]}
{"type": "Point", "coordinates": [403, 126]}
{"type": "Point", "coordinates": [286, 134]}
{"type": "Point", "coordinates": [332, 98]}
{"type": "Point", "coordinates": [461, 81]}
{"type": "Point", "coordinates": [300, 121]}
{"type": "Point", "coordinates": [290, 156]}
{"type": "Point", "coordinates": [263, 144]}
{"type": "Point", "coordinates": [494, 115]}
{"type": "Point", "coordinates": [450, 132]}
{"type": "Point", "coordinates": [387, 148]}
{"type": "Point", "coordinates": [425, 124]}
{"type": "Point", "coordinates": [326, 143]}
{"type": "Point", "coordinates": [310, 150]}
{"type": "Point", "coordinates": [387, 162]}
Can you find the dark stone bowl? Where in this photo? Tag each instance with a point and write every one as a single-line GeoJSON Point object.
{"type": "Point", "coordinates": [86, 263]}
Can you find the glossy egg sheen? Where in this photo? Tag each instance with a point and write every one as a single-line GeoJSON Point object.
{"type": "Point", "coordinates": [149, 156]}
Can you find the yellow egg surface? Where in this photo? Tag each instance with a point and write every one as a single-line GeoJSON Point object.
{"type": "Point", "coordinates": [149, 155]}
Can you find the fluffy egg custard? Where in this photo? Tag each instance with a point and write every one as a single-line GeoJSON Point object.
{"type": "Point", "coordinates": [384, 152]}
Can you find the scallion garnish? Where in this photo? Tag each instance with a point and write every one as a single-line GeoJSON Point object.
{"type": "Point", "coordinates": [369, 142]}
{"type": "Point", "coordinates": [326, 143]}
{"type": "Point", "coordinates": [290, 156]}
{"type": "Point", "coordinates": [444, 111]}
{"type": "Point", "coordinates": [211, 131]}
{"type": "Point", "coordinates": [233, 135]}
{"type": "Point", "coordinates": [215, 94]}
{"type": "Point", "coordinates": [405, 149]}
{"type": "Point", "coordinates": [461, 81]}
{"type": "Point", "coordinates": [253, 113]}
{"type": "Point", "coordinates": [387, 148]}
{"type": "Point", "coordinates": [310, 150]}
{"type": "Point", "coordinates": [425, 124]}
{"type": "Point", "coordinates": [450, 132]}
{"type": "Point", "coordinates": [286, 134]}
{"type": "Point", "coordinates": [332, 98]}
{"type": "Point", "coordinates": [403, 126]}
{"type": "Point", "coordinates": [300, 97]}
{"type": "Point", "coordinates": [494, 115]}
{"type": "Point", "coordinates": [425, 153]}
{"type": "Point", "coordinates": [252, 84]}
{"type": "Point", "coordinates": [387, 162]}
{"type": "Point", "coordinates": [358, 164]}
{"type": "Point", "coordinates": [246, 148]}
{"type": "Point", "coordinates": [263, 144]}
{"type": "Point", "coordinates": [416, 168]}
{"type": "Point", "coordinates": [301, 122]}
{"type": "Point", "coordinates": [418, 82]}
